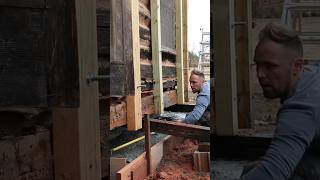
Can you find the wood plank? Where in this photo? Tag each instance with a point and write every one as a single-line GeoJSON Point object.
{"type": "Point", "coordinates": [147, 142]}
{"type": "Point", "coordinates": [185, 49]}
{"type": "Point", "coordinates": [134, 115]}
{"type": "Point", "coordinates": [115, 165]}
{"type": "Point", "coordinates": [156, 55]}
{"type": "Point", "coordinates": [244, 58]}
{"type": "Point", "coordinates": [225, 68]}
{"type": "Point", "coordinates": [179, 52]}
{"type": "Point", "coordinates": [180, 129]}
{"type": "Point", "coordinates": [201, 161]}
{"type": "Point", "coordinates": [77, 156]}
{"type": "Point", "coordinates": [138, 167]}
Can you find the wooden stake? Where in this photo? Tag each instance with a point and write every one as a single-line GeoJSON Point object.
{"type": "Point", "coordinates": [147, 142]}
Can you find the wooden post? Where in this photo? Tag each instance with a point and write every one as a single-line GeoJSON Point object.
{"type": "Point", "coordinates": [225, 68]}
{"type": "Point", "coordinates": [134, 114]}
{"type": "Point", "coordinates": [147, 142]}
{"type": "Point", "coordinates": [244, 57]}
{"type": "Point", "coordinates": [179, 50]}
{"type": "Point", "coordinates": [76, 131]}
{"type": "Point", "coordinates": [185, 49]}
{"type": "Point", "coordinates": [156, 56]}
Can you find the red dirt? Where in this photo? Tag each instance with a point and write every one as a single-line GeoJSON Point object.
{"type": "Point", "coordinates": [177, 164]}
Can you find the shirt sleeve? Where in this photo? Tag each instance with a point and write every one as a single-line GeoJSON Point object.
{"type": "Point", "coordinates": [294, 133]}
{"type": "Point", "coordinates": [198, 110]}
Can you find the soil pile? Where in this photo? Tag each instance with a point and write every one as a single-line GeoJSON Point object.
{"type": "Point", "coordinates": [177, 164]}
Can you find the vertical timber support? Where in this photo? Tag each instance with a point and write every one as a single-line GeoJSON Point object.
{"type": "Point", "coordinates": [134, 114]}
{"type": "Point", "coordinates": [225, 68]}
{"type": "Point", "coordinates": [243, 32]}
{"type": "Point", "coordinates": [179, 50]}
{"type": "Point", "coordinates": [76, 131]}
{"type": "Point", "coordinates": [156, 56]}
{"type": "Point", "coordinates": [185, 49]}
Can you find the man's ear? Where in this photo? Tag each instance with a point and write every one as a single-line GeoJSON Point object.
{"type": "Point", "coordinates": [298, 65]}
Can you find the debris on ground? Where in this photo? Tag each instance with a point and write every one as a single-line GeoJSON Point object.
{"type": "Point", "coordinates": [177, 164]}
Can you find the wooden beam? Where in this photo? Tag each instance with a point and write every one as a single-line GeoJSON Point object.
{"type": "Point", "coordinates": [76, 131]}
{"type": "Point", "coordinates": [134, 115]}
{"type": "Point", "coordinates": [180, 129]}
{"type": "Point", "coordinates": [179, 51]}
{"type": "Point", "coordinates": [137, 169]}
{"type": "Point", "coordinates": [225, 68]}
{"type": "Point", "coordinates": [115, 165]}
{"type": "Point", "coordinates": [244, 58]}
{"type": "Point", "coordinates": [147, 142]}
{"type": "Point", "coordinates": [185, 49]}
{"type": "Point", "coordinates": [201, 161]}
{"type": "Point", "coordinates": [156, 55]}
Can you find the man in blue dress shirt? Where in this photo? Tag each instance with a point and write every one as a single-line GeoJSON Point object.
{"type": "Point", "coordinates": [201, 112]}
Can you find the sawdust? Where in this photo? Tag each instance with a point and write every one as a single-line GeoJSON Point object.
{"type": "Point", "coordinates": [177, 164]}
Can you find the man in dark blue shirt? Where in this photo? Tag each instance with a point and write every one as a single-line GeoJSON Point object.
{"type": "Point", "coordinates": [294, 152]}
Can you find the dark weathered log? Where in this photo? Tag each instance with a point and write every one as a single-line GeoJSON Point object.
{"type": "Point", "coordinates": [63, 68]}
{"type": "Point", "coordinates": [180, 129]}
{"type": "Point", "coordinates": [167, 71]}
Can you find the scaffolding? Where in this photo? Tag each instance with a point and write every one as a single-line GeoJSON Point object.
{"type": "Point", "coordinates": [204, 60]}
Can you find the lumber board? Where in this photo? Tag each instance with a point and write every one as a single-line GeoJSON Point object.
{"type": "Point", "coordinates": [225, 68]}
{"type": "Point", "coordinates": [156, 55]}
{"type": "Point", "coordinates": [134, 114]}
{"type": "Point", "coordinates": [137, 169]}
{"type": "Point", "coordinates": [179, 51]}
{"type": "Point", "coordinates": [180, 129]}
{"type": "Point", "coordinates": [115, 165]}
{"type": "Point", "coordinates": [185, 49]}
{"type": "Point", "coordinates": [147, 142]}
{"type": "Point", "coordinates": [243, 59]}
{"type": "Point", "coordinates": [201, 161]}
{"type": "Point", "coordinates": [78, 155]}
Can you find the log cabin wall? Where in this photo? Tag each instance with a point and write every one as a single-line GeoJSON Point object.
{"type": "Point", "coordinates": [120, 62]}
{"type": "Point", "coordinates": [39, 70]}
{"type": "Point", "coordinates": [168, 55]}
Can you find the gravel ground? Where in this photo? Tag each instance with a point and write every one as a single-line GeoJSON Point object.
{"type": "Point", "coordinates": [226, 170]}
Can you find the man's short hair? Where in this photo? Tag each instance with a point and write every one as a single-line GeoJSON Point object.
{"type": "Point", "coordinates": [283, 35]}
{"type": "Point", "coordinates": [198, 73]}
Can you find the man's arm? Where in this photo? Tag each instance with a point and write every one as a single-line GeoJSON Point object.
{"type": "Point", "coordinates": [198, 110]}
{"type": "Point", "coordinates": [294, 133]}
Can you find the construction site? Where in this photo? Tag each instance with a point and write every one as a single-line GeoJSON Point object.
{"type": "Point", "coordinates": [96, 90]}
